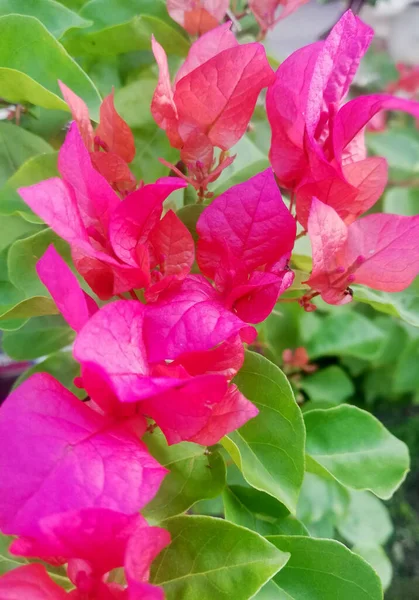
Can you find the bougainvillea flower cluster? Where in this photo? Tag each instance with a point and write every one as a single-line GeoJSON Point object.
{"type": "Point", "coordinates": [164, 351]}
{"type": "Point", "coordinates": [211, 100]}
{"type": "Point", "coordinates": [266, 11]}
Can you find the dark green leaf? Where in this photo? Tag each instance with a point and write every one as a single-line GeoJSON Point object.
{"type": "Point", "coordinates": [330, 385]}
{"type": "Point", "coordinates": [39, 337]}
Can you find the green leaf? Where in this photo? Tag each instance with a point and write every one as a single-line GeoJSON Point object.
{"type": "Point", "coordinates": [133, 101]}
{"type": "Point", "coordinates": [330, 385]}
{"type": "Point", "coordinates": [30, 71]}
{"type": "Point", "coordinates": [366, 520]}
{"type": "Point", "coordinates": [14, 227]}
{"type": "Point", "coordinates": [60, 365]}
{"type": "Point", "coordinates": [400, 149]}
{"type": "Point", "coordinates": [121, 26]}
{"type": "Point", "coordinates": [248, 162]}
{"type": "Point", "coordinates": [402, 201]}
{"type": "Point", "coordinates": [356, 449]}
{"type": "Point", "coordinates": [346, 334]}
{"type": "Point", "coordinates": [324, 570]}
{"type": "Point", "coordinates": [212, 558]}
{"type": "Point", "coordinates": [36, 306]}
{"type": "Point", "coordinates": [16, 146]}
{"type": "Point", "coordinates": [378, 559]}
{"type": "Point", "coordinates": [32, 171]}
{"type": "Point", "coordinates": [194, 475]}
{"type": "Point", "coordinates": [56, 18]}
{"type": "Point", "coordinates": [23, 256]}
{"type": "Point", "coordinates": [404, 305]}
{"type": "Point", "coordinates": [260, 512]}
{"type": "Point", "coordinates": [269, 449]}
{"type": "Point", "coordinates": [189, 216]}
{"type": "Point", "coordinates": [152, 143]}
{"type": "Point", "coordinates": [38, 337]}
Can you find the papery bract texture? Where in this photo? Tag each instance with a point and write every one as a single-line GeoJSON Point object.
{"type": "Point", "coordinates": [197, 16]}
{"type": "Point", "coordinates": [30, 582]}
{"type": "Point", "coordinates": [73, 303]}
{"type": "Point", "coordinates": [246, 236]}
{"type": "Point", "coordinates": [380, 251]}
{"type": "Point", "coordinates": [77, 458]}
{"type": "Point", "coordinates": [318, 147]}
{"type": "Point", "coordinates": [266, 13]}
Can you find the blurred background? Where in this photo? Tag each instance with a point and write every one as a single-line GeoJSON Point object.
{"type": "Point", "coordinates": [337, 354]}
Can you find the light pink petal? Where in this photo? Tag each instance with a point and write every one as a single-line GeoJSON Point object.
{"type": "Point", "coordinates": [192, 319]}
{"type": "Point", "coordinates": [220, 95]}
{"type": "Point", "coordinates": [197, 149]}
{"type": "Point", "coordinates": [95, 198]}
{"type": "Point", "coordinates": [73, 303]}
{"type": "Point", "coordinates": [229, 414]}
{"type": "Point", "coordinates": [250, 222]}
{"type": "Point", "coordinates": [137, 215]}
{"type": "Point", "coordinates": [163, 107]}
{"type": "Point", "coordinates": [390, 247]}
{"type": "Point", "coordinates": [59, 455]}
{"type": "Point", "coordinates": [355, 114]}
{"type": "Point", "coordinates": [264, 12]}
{"type": "Point", "coordinates": [182, 412]}
{"type": "Point", "coordinates": [80, 114]}
{"type": "Point", "coordinates": [207, 46]}
{"type": "Point", "coordinates": [114, 131]}
{"type": "Point", "coordinates": [328, 237]}
{"type": "Point", "coordinates": [369, 176]}
{"type": "Point", "coordinates": [286, 102]}
{"type": "Point", "coordinates": [290, 6]}
{"type": "Point", "coordinates": [30, 582]}
{"type": "Point", "coordinates": [335, 69]}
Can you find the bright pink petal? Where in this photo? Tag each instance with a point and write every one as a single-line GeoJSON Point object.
{"type": "Point", "coordinates": [58, 455]}
{"type": "Point", "coordinates": [95, 198]}
{"type": "Point", "coordinates": [163, 107]}
{"type": "Point", "coordinates": [229, 414]}
{"type": "Point", "coordinates": [220, 95]}
{"type": "Point", "coordinates": [226, 359]}
{"type": "Point", "coordinates": [115, 170]}
{"type": "Point", "coordinates": [206, 47]}
{"type": "Point", "coordinates": [30, 582]}
{"type": "Point", "coordinates": [182, 412]}
{"type": "Point", "coordinates": [390, 247]}
{"type": "Point", "coordinates": [80, 114]}
{"type": "Point", "coordinates": [191, 319]}
{"type": "Point", "coordinates": [355, 114]}
{"type": "Point", "coordinates": [114, 131]}
{"type": "Point", "coordinates": [137, 215]}
{"type": "Point", "coordinates": [73, 303]}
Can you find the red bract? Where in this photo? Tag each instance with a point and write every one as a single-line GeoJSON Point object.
{"type": "Point", "coordinates": [265, 11]}
{"type": "Point", "coordinates": [30, 582]}
{"type": "Point", "coordinates": [127, 373]}
{"type": "Point", "coordinates": [197, 16]}
{"type": "Point", "coordinates": [246, 237]}
{"type": "Point", "coordinates": [112, 136]}
{"type": "Point", "coordinates": [211, 101]}
{"type": "Point", "coordinates": [57, 454]}
{"type": "Point", "coordinates": [116, 246]}
{"type": "Point", "coordinates": [380, 251]}
{"type": "Point", "coordinates": [94, 541]}
{"type": "Point", "coordinates": [318, 148]}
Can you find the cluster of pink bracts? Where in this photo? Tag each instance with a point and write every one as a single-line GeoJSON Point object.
{"type": "Point", "coordinates": [74, 474]}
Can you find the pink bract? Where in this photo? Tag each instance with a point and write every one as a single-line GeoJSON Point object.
{"type": "Point", "coordinates": [246, 236]}
{"type": "Point", "coordinates": [31, 582]}
{"type": "Point", "coordinates": [379, 250]}
{"type": "Point", "coordinates": [197, 16]}
{"type": "Point", "coordinates": [107, 467]}
{"type": "Point", "coordinates": [266, 11]}
{"type": "Point", "coordinates": [318, 146]}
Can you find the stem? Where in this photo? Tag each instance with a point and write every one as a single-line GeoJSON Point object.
{"type": "Point", "coordinates": [301, 234]}
{"type": "Point", "coordinates": [133, 295]}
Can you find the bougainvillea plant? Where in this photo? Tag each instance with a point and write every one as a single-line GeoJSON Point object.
{"type": "Point", "coordinates": [102, 467]}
